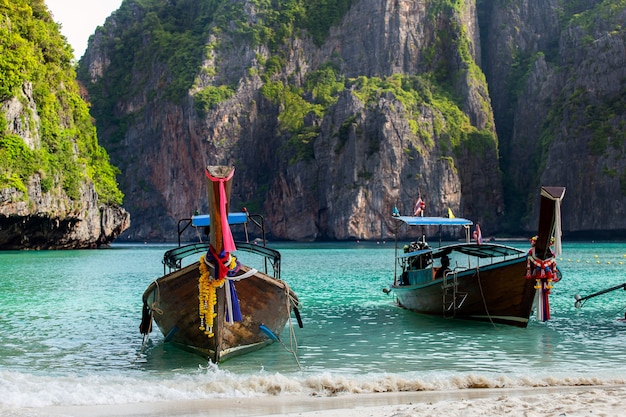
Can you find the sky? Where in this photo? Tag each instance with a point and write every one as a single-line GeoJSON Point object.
{"type": "Point", "coordinates": [80, 18]}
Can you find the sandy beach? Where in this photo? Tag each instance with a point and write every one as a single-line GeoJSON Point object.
{"type": "Point", "coordinates": [528, 402]}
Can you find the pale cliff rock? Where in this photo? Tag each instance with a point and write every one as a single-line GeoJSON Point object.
{"type": "Point", "coordinates": [46, 221]}
{"type": "Point", "coordinates": [14, 110]}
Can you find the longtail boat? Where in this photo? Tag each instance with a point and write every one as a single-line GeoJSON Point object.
{"type": "Point", "coordinates": [475, 280]}
{"type": "Point", "coordinates": [217, 306]}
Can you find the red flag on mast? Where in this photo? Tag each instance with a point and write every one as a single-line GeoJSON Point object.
{"type": "Point", "coordinates": [418, 210]}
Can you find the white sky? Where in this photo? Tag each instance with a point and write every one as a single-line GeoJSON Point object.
{"type": "Point", "coordinates": [80, 18]}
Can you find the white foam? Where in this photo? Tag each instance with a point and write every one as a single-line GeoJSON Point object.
{"type": "Point", "coordinates": [25, 390]}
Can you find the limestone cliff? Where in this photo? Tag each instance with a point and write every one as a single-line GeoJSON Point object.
{"type": "Point", "coordinates": [318, 166]}
{"type": "Point", "coordinates": [57, 188]}
{"type": "Point", "coordinates": [330, 128]}
{"type": "Point", "coordinates": [557, 77]}
{"type": "Point", "coordinates": [37, 218]}
{"type": "Point", "coordinates": [44, 221]}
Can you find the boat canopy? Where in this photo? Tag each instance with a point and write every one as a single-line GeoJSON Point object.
{"type": "Point", "coordinates": [485, 250]}
{"type": "Point", "coordinates": [201, 220]}
{"type": "Point", "coordinates": [433, 221]}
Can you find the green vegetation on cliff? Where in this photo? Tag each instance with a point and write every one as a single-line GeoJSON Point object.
{"type": "Point", "coordinates": [166, 52]}
{"type": "Point", "coordinates": [65, 151]}
{"type": "Point", "coordinates": [417, 94]}
{"type": "Point", "coordinates": [175, 37]}
{"type": "Point", "coordinates": [171, 39]}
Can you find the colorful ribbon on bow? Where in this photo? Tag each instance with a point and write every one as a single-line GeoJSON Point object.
{"type": "Point", "coordinates": [227, 236]}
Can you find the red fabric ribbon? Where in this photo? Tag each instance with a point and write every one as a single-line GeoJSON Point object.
{"type": "Point", "coordinates": [220, 269]}
{"type": "Point", "coordinates": [228, 241]}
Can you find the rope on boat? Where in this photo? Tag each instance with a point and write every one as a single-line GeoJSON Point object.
{"type": "Point", "coordinates": [248, 274]}
{"type": "Point", "coordinates": [293, 342]}
{"type": "Point", "coordinates": [482, 295]}
{"type": "Point", "coordinates": [198, 234]}
{"type": "Point", "coordinates": [153, 308]}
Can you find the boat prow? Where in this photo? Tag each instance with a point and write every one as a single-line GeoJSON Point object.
{"type": "Point", "coordinates": [218, 306]}
{"type": "Point", "coordinates": [264, 302]}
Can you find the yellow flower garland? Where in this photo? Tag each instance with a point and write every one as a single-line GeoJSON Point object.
{"type": "Point", "coordinates": [207, 287]}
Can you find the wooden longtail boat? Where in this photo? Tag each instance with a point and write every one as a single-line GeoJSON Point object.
{"type": "Point", "coordinates": [480, 281]}
{"type": "Point", "coordinates": [225, 311]}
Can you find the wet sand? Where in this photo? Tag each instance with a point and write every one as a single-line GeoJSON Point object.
{"type": "Point", "coordinates": [565, 401]}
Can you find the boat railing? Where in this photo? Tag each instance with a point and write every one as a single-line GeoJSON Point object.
{"type": "Point", "coordinates": [270, 255]}
{"type": "Point", "coordinates": [453, 299]}
{"type": "Point", "coordinates": [173, 258]}
{"type": "Point", "coordinates": [485, 255]}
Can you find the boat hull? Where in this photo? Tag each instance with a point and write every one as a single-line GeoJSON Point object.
{"type": "Point", "coordinates": [498, 293]}
{"type": "Point", "coordinates": [174, 304]}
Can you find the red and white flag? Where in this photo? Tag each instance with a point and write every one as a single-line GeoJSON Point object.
{"type": "Point", "coordinates": [419, 207]}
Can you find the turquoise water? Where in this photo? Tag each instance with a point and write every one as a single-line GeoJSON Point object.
{"type": "Point", "coordinates": [69, 330]}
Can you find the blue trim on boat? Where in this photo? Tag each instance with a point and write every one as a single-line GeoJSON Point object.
{"type": "Point", "coordinates": [268, 332]}
{"type": "Point", "coordinates": [171, 334]}
{"type": "Point", "coordinates": [201, 220]}
{"type": "Point", "coordinates": [434, 221]}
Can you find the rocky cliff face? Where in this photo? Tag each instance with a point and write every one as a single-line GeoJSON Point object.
{"type": "Point", "coordinates": [57, 222]}
{"type": "Point", "coordinates": [366, 158]}
{"type": "Point", "coordinates": [57, 187]}
{"type": "Point", "coordinates": [558, 80]}
{"type": "Point", "coordinates": [366, 155]}
{"type": "Point", "coordinates": [38, 219]}
{"type": "Point", "coordinates": [341, 170]}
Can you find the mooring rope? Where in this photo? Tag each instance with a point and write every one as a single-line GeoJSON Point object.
{"type": "Point", "coordinates": [153, 308]}
{"type": "Point", "coordinates": [482, 295]}
{"type": "Point", "coordinates": [293, 342]}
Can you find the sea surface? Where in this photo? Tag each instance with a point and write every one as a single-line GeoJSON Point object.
{"type": "Point", "coordinates": [69, 331]}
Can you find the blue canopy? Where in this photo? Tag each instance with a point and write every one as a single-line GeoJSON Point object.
{"type": "Point", "coordinates": [233, 218]}
{"type": "Point", "coordinates": [433, 221]}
